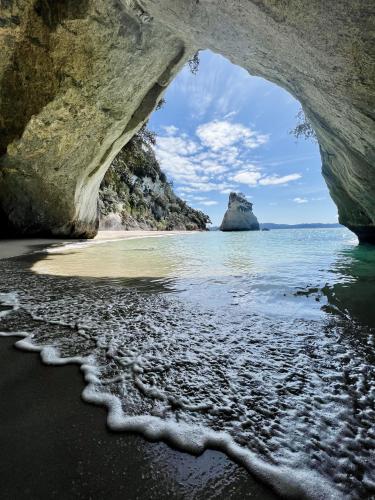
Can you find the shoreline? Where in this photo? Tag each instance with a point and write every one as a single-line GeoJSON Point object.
{"type": "Point", "coordinates": [64, 449]}
{"type": "Point", "coordinates": [23, 246]}
{"type": "Point", "coordinates": [63, 446]}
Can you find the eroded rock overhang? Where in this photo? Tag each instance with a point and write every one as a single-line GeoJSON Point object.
{"type": "Point", "coordinates": [79, 78]}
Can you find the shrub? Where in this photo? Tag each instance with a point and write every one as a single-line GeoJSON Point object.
{"type": "Point", "coordinates": [303, 128]}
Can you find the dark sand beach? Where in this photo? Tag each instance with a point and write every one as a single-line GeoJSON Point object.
{"type": "Point", "coordinates": [53, 445]}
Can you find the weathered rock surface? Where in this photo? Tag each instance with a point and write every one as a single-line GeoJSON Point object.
{"type": "Point", "coordinates": [239, 215]}
{"type": "Point", "coordinates": [79, 78]}
{"type": "Point", "coordinates": [135, 194]}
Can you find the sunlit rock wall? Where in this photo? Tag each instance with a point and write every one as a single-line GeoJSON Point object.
{"type": "Point", "coordinates": [77, 80]}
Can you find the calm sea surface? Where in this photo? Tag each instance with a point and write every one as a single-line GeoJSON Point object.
{"type": "Point", "coordinates": [259, 343]}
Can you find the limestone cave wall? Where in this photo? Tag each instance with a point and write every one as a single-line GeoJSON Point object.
{"type": "Point", "coordinates": [78, 79]}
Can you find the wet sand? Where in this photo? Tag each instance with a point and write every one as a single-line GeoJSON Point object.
{"type": "Point", "coordinates": [53, 445]}
{"type": "Point", "coordinates": [22, 246]}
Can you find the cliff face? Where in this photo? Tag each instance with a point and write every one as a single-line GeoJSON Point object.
{"type": "Point", "coordinates": [135, 194]}
{"type": "Point", "coordinates": [78, 80]}
{"type": "Point", "coordinates": [239, 216]}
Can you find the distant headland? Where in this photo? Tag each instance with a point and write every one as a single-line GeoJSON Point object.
{"type": "Point", "coordinates": [307, 225]}
{"type": "Point", "coordinates": [272, 225]}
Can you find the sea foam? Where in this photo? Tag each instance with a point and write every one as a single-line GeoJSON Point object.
{"type": "Point", "coordinates": [289, 398]}
{"type": "Point", "coordinates": [289, 483]}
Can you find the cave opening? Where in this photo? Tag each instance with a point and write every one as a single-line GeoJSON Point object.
{"type": "Point", "coordinates": [219, 130]}
{"type": "Point", "coordinates": [246, 342]}
{"type": "Point", "coordinates": [106, 67]}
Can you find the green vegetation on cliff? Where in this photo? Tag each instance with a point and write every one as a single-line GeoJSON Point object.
{"type": "Point", "coordinates": [135, 193]}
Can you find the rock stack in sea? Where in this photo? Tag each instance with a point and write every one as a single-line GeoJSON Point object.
{"type": "Point", "coordinates": [239, 215]}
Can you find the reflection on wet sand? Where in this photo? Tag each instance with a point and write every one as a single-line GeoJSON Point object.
{"type": "Point", "coordinates": [136, 260]}
{"type": "Point", "coordinates": [263, 347]}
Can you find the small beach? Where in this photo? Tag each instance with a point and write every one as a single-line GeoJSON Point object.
{"type": "Point", "coordinates": [62, 447]}
{"type": "Point", "coordinates": [22, 246]}
{"type": "Point", "coordinates": [209, 343]}
{"type": "Point", "coordinates": [187, 263]}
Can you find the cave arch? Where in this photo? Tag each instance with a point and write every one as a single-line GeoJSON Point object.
{"type": "Point", "coordinates": [77, 83]}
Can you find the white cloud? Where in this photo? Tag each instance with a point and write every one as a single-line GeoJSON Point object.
{"type": "Point", "coordinates": [177, 166]}
{"type": "Point", "coordinates": [217, 160]}
{"type": "Point", "coordinates": [176, 158]}
{"type": "Point", "coordinates": [199, 198]}
{"type": "Point", "coordinates": [256, 141]}
{"type": "Point", "coordinates": [250, 178]}
{"type": "Point", "coordinates": [217, 135]}
{"type": "Point", "coordinates": [213, 167]}
{"type": "Point", "coordinates": [206, 187]}
{"type": "Point", "coordinates": [208, 203]}
{"type": "Point", "coordinates": [218, 89]}
{"type": "Point", "coordinates": [194, 166]}
{"type": "Point", "coordinates": [198, 167]}
{"type": "Point", "coordinates": [274, 180]}
{"type": "Point", "coordinates": [300, 200]}
{"type": "Point", "coordinates": [171, 130]}
{"type": "Point", "coordinates": [291, 159]}
{"type": "Point", "coordinates": [178, 145]}
{"type": "Point", "coordinates": [230, 114]}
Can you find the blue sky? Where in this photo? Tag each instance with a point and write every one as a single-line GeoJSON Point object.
{"type": "Point", "coordinates": [223, 130]}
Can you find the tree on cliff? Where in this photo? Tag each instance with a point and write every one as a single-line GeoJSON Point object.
{"type": "Point", "coordinates": [193, 63]}
{"type": "Point", "coordinates": [303, 129]}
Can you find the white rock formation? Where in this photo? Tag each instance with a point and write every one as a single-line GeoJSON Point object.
{"type": "Point", "coordinates": [239, 215]}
